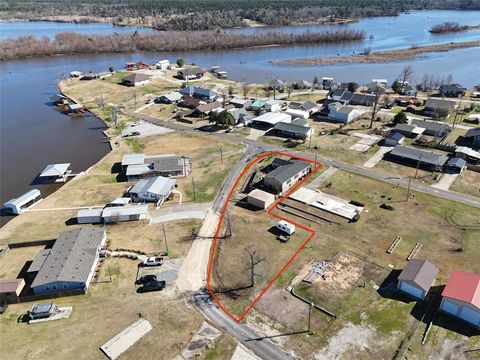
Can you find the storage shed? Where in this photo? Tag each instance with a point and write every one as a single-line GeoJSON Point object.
{"type": "Point", "coordinates": [89, 216]}
{"type": "Point", "coordinates": [461, 297]}
{"type": "Point", "coordinates": [10, 290]}
{"type": "Point", "coordinates": [416, 278]}
{"type": "Point", "coordinates": [260, 199]}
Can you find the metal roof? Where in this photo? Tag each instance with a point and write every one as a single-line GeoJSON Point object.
{"type": "Point", "coordinates": [25, 198]}
{"type": "Point", "coordinates": [292, 128]}
{"type": "Point", "coordinates": [261, 195]}
{"type": "Point", "coordinates": [55, 170]}
{"type": "Point", "coordinates": [272, 118]}
{"type": "Point", "coordinates": [157, 185]}
{"type": "Point", "coordinates": [138, 169]}
{"type": "Point", "coordinates": [173, 96]}
{"type": "Point", "coordinates": [463, 286]}
{"type": "Point", "coordinates": [121, 201]}
{"type": "Point", "coordinates": [457, 162]}
{"type": "Point", "coordinates": [96, 212]}
{"type": "Point", "coordinates": [472, 132]}
{"type": "Point", "coordinates": [420, 272]}
{"type": "Point", "coordinates": [286, 172]}
{"type": "Point", "coordinates": [7, 286]}
{"type": "Point", "coordinates": [125, 210]}
{"type": "Point", "coordinates": [72, 258]}
{"type": "Point", "coordinates": [198, 91]}
{"type": "Point", "coordinates": [167, 163]}
{"type": "Point", "coordinates": [133, 159]}
{"type": "Point", "coordinates": [419, 155]}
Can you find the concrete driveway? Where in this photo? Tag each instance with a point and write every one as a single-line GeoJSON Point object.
{"type": "Point", "coordinates": [179, 212]}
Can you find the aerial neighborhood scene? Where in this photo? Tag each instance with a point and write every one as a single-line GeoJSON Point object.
{"type": "Point", "coordinates": [245, 180]}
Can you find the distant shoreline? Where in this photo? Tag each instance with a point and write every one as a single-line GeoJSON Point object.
{"type": "Point", "coordinates": [383, 56]}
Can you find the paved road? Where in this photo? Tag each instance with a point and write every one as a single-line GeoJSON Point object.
{"type": "Point", "coordinates": [259, 345]}
{"type": "Point", "coordinates": [259, 146]}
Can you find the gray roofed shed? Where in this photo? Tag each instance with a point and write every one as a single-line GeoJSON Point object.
{"type": "Point", "coordinates": [159, 185]}
{"type": "Point", "coordinates": [421, 272]}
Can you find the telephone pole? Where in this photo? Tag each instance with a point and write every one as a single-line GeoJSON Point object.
{"type": "Point", "coordinates": [310, 308]}
{"type": "Point", "coordinates": [165, 239]}
{"type": "Point", "coordinates": [193, 188]}
{"type": "Point", "coordinates": [221, 154]}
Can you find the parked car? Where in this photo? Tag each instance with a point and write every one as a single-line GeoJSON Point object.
{"type": "Point", "coordinates": [136, 123]}
{"type": "Point", "coordinates": [42, 311]}
{"type": "Point", "coordinates": [133, 133]}
{"type": "Point", "coordinates": [153, 261]}
{"type": "Point", "coordinates": [152, 286]}
{"type": "Point", "coordinates": [145, 279]}
{"type": "Point", "coordinates": [390, 105]}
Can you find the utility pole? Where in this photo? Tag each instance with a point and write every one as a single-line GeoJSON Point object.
{"type": "Point", "coordinates": [221, 154]}
{"type": "Point", "coordinates": [408, 188]}
{"type": "Point", "coordinates": [418, 165]}
{"type": "Point", "coordinates": [193, 188]}
{"type": "Point", "coordinates": [310, 308]}
{"type": "Point", "coordinates": [165, 239]}
{"type": "Point", "coordinates": [310, 142]}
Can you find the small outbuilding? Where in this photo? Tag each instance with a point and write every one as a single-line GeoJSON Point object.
{"type": "Point", "coordinates": [461, 297]}
{"type": "Point", "coordinates": [89, 216]}
{"type": "Point", "coordinates": [136, 79]}
{"type": "Point", "coordinates": [416, 278]}
{"type": "Point", "coordinates": [260, 199]}
{"type": "Point", "coordinates": [113, 214]}
{"type": "Point", "coordinates": [394, 138]}
{"type": "Point", "coordinates": [10, 290]}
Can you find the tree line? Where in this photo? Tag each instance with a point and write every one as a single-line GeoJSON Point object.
{"type": "Point", "coordinates": [448, 27]}
{"type": "Point", "coordinates": [68, 43]}
{"type": "Point", "coordinates": [211, 14]}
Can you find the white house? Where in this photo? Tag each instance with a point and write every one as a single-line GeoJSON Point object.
{"type": "Point", "coordinates": [461, 297]}
{"type": "Point", "coordinates": [343, 113]}
{"type": "Point", "coordinates": [136, 79]}
{"type": "Point", "coordinates": [163, 64]}
{"type": "Point", "coordinates": [156, 189]}
{"type": "Point", "coordinates": [272, 105]}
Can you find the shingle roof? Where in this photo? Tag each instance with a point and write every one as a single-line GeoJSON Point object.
{"type": "Point", "coordinates": [472, 132]}
{"type": "Point", "coordinates": [463, 286]}
{"type": "Point", "coordinates": [136, 77]}
{"type": "Point", "coordinates": [419, 155]}
{"type": "Point", "coordinates": [420, 272]}
{"type": "Point", "coordinates": [72, 257]}
{"type": "Point", "coordinates": [293, 128]}
{"type": "Point", "coordinates": [285, 172]}
{"type": "Point", "coordinates": [209, 107]}
{"type": "Point", "coordinates": [39, 260]}
{"type": "Point", "coordinates": [167, 162]}
{"type": "Point", "coordinates": [431, 125]}
{"type": "Point", "coordinates": [432, 103]}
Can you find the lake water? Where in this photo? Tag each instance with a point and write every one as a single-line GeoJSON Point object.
{"type": "Point", "coordinates": [33, 134]}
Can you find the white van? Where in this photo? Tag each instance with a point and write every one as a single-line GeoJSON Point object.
{"type": "Point", "coordinates": [286, 227]}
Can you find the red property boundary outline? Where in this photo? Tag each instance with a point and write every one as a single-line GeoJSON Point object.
{"type": "Point", "coordinates": [270, 212]}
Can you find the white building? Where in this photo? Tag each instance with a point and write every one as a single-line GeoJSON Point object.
{"type": "Point", "coordinates": [272, 105]}
{"type": "Point", "coordinates": [163, 64]}
{"type": "Point", "coordinates": [113, 214]}
{"type": "Point", "coordinates": [272, 118]}
{"type": "Point", "coordinates": [343, 113]}
{"type": "Point", "coordinates": [20, 204]}
{"type": "Point", "coordinates": [156, 189]}
{"type": "Point", "coordinates": [260, 199]}
{"type": "Point", "coordinates": [56, 172]}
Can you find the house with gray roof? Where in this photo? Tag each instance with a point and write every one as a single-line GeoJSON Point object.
{"type": "Point", "coordinates": [439, 107]}
{"type": "Point", "coordinates": [168, 165]}
{"type": "Point", "coordinates": [286, 175]}
{"type": "Point", "coordinates": [170, 98]}
{"type": "Point", "coordinates": [136, 79]}
{"type": "Point", "coordinates": [472, 138]}
{"type": "Point", "coordinates": [412, 156]}
{"type": "Point", "coordinates": [293, 130]}
{"type": "Point", "coordinates": [156, 189]}
{"type": "Point", "coordinates": [416, 278]}
{"type": "Point", "coordinates": [200, 93]}
{"type": "Point", "coordinates": [432, 128]}
{"type": "Point", "coordinates": [71, 263]}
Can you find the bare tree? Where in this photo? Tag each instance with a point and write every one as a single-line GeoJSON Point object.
{"type": "Point", "coordinates": [405, 75]}
{"type": "Point", "coordinates": [255, 259]}
{"type": "Point", "coordinates": [267, 91]}
{"type": "Point", "coordinates": [244, 90]}
{"type": "Point", "coordinates": [377, 105]}
{"type": "Point", "coordinates": [288, 89]}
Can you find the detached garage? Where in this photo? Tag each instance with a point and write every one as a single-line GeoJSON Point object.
{"type": "Point", "coordinates": [461, 297]}
{"type": "Point", "coordinates": [260, 199]}
{"type": "Point", "coordinates": [417, 278]}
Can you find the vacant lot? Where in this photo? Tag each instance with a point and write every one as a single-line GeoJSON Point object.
{"type": "Point", "coordinates": [100, 315]}
{"type": "Point", "coordinates": [468, 183]}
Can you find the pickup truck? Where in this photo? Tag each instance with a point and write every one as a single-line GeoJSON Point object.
{"type": "Point", "coordinates": [153, 261]}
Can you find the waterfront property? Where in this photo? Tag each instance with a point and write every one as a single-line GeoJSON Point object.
{"type": "Point", "coordinates": [72, 261]}
{"type": "Point", "coordinates": [416, 157]}
{"type": "Point", "coordinates": [286, 174]}
{"type": "Point", "coordinates": [452, 90]}
{"type": "Point", "coordinates": [55, 173]}
{"type": "Point", "coordinates": [200, 93]}
{"type": "Point", "coordinates": [156, 189]}
{"type": "Point", "coordinates": [190, 73]}
{"type": "Point", "coordinates": [416, 278]}
{"type": "Point", "coordinates": [23, 202]}
{"type": "Point", "coordinates": [303, 110]}
{"type": "Point", "coordinates": [136, 79]}
{"type": "Point", "coordinates": [461, 297]}
{"type": "Point", "coordinates": [168, 165]}
{"type": "Point", "coordinates": [351, 98]}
